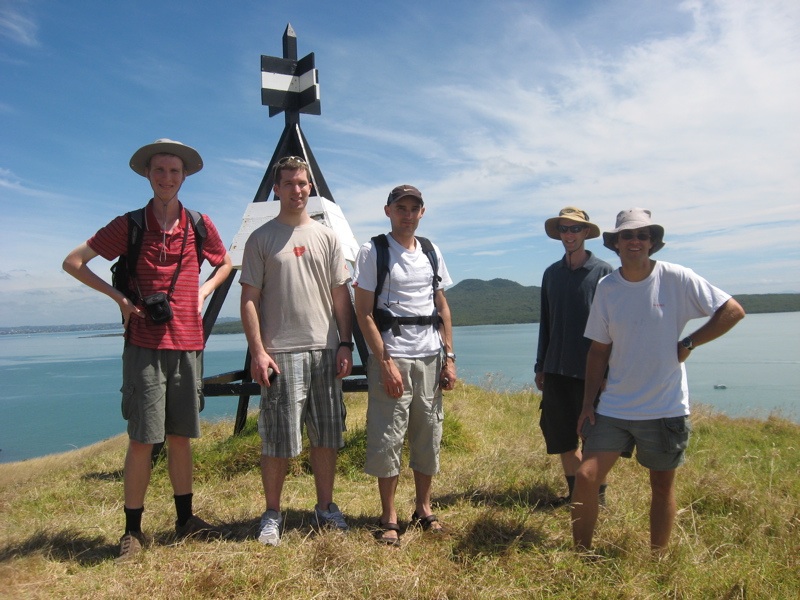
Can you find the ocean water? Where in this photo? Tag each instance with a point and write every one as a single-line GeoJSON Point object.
{"type": "Point", "coordinates": [61, 391]}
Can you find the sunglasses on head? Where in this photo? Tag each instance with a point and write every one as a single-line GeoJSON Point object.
{"type": "Point", "coordinates": [571, 228]}
{"type": "Point", "coordinates": [287, 159]}
{"type": "Point", "coordinates": [629, 235]}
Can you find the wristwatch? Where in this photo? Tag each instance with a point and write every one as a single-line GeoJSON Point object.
{"type": "Point", "coordinates": [348, 345]}
{"type": "Point", "coordinates": [450, 355]}
{"type": "Point", "coordinates": [688, 343]}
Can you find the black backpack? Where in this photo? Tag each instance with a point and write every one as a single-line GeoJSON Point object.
{"type": "Point", "coordinates": [384, 319]}
{"type": "Point", "coordinates": [124, 270]}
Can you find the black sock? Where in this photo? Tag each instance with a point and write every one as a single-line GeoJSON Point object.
{"type": "Point", "coordinates": [183, 506]}
{"type": "Point", "coordinates": [133, 519]}
{"type": "Point", "coordinates": [570, 484]}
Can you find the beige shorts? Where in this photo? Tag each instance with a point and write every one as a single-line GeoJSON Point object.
{"type": "Point", "coordinates": [419, 412]}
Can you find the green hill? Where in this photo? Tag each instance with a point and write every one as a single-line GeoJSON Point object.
{"type": "Point", "coordinates": [472, 302]}
{"type": "Point", "coordinates": [504, 302]}
{"type": "Point", "coordinates": [495, 302]}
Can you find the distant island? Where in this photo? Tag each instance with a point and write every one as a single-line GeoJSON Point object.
{"type": "Point", "coordinates": [472, 301]}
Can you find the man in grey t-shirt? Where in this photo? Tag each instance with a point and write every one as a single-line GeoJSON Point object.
{"type": "Point", "coordinates": [297, 316]}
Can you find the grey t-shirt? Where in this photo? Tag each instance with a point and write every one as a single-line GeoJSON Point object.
{"type": "Point", "coordinates": [295, 268]}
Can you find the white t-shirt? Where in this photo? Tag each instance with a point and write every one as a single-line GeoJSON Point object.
{"type": "Point", "coordinates": [643, 321]}
{"type": "Point", "coordinates": [407, 292]}
{"type": "Point", "coordinates": [295, 268]}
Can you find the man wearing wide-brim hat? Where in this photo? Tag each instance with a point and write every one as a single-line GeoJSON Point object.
{"type": "Point", "coordinates": [635, 324]}
{"type": "Point", "coordinates": [162, 358]}
{"type": "Point", "coordinates": [567, 291]}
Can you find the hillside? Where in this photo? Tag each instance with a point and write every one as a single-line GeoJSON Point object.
{"type": "Point", "coordinates": [495, 302]}
{"type": "Point", "coordinates": [501, 301]}
{"type": "Point", "coordinates": [736, 532]}
{"type": "Point", "coordinates": [472, 302]}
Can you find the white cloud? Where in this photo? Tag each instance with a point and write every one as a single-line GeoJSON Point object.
{"type": "Point", "coordinates": [17, 26]}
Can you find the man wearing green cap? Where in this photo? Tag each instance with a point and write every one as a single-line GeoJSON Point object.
{"type": "Point", "coordinates": [162, 358]}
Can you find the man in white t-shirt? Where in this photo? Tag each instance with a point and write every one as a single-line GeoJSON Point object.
{"type": "Point", "coordinates": [297, 316]}
{"type": "Point", "coordinates": [409, 333]}
{"type": "Point", "coordinates": [638, 314]}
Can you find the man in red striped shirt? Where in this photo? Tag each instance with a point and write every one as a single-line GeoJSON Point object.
{"type": "Point", "coordinates": [161, 361]}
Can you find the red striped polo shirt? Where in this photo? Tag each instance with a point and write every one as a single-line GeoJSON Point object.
{"type": "Point", "coordinates": [158, 260]}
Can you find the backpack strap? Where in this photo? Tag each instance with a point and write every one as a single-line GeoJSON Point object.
{"type": "Point", "coordinates": [135, 232]}
{"type": "Point", "coordinates": [385, 319]}
{"type": "Point", "coordinates": [382, 264]}
{"type": "Point", "coordinates": [200, 232]}
{"type": "Point", "coordinates": [430, 252]}
{"type": "Point", "coordinates": [136, 229]}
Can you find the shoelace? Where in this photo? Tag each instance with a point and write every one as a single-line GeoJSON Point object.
{"type": "Point", "coordinates": [337, 517]}
{"type": "Point", "coordinates": [268, 525]}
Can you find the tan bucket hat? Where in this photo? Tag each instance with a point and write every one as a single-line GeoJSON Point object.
{"type": "Point", "coordinates": [190, 157]}
{"type": "Point", "coordinates": [570, 213]}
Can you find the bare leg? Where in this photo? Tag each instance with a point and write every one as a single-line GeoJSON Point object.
{"type": "Point", "coordinates": [137, 473]}
{"type": "Point", "coordinates": [570, 461]}
{"type": "Point", "coordinates": [179, 464]}
{"type": "Point", "coordinates": [585, 503]}
{"type": "Point", "coordinates": [323, 463]}
{"type": "Point", "coordinates": [662, 508]}
{"type": "Point", "coordinates": [273, 474]}
{"type": "Point", "coordinates": [387, 487]}
{"type": "Point", "coordinates": [422, 486]}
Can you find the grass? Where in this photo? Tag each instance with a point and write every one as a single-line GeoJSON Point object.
{"type": "Point", "coordinates": [737, 533]}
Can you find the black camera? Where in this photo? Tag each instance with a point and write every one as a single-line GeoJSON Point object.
{"type": "Point", "coordinates": [157, 307]}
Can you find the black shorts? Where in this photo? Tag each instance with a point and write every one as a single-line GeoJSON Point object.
{"type": "Point", "coordinates": [562, 401]}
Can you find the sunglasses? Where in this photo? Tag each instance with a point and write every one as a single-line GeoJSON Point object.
{"type": "Point", "coordinates": [571, 228]}
{"type": "Point", "coordinates": [287, 159]}
{"type": "Point", "coordinates": [629, 235]}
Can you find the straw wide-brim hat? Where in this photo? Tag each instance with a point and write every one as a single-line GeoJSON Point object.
{"type": "Point", "coordinates": [570, 213]}
{"type": "Point", "coordinates": [190, 157]}
{"type": "Point", "coordinates": [635, 218]}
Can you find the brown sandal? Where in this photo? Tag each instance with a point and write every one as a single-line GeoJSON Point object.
{"type": "Point", "coordinates": [426, 523]}
{"type": "Point", "coordinates": [383, 529]}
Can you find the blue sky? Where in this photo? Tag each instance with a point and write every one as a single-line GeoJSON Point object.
{"type": "Point", "coordinates": [501, 112]}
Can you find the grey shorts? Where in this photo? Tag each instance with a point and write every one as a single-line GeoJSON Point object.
{"type": "Point", "coordinates": [660, 443]}
{"type": "Point", "coordinates": [419, 412]}
{"type": "Point", "coordinates": [305, 393]}
{"type": "Point", "coordinates": [162, 393]}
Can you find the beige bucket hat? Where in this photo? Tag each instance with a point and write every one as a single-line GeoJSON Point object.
{"type": "Point", "coordinates": [190, 157]}
{"type": "Point", "coordinates": [571, 213]}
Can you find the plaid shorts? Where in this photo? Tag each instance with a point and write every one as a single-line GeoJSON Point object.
{"type": "Point", "coordinates": [305, 393]}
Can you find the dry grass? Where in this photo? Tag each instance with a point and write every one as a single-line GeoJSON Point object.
{"type": "Point", "coordinates": [737, 534]}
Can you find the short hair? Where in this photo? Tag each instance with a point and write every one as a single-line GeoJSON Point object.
{"type": "Point", "coordinates": [289, 163]}
{"type": "Point", "coordinates": [147, 164]}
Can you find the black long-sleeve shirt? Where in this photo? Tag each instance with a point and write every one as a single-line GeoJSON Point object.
{"type": "Point", "coordinates": [566, 299]}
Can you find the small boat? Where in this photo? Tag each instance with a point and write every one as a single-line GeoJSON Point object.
{"type": "Point", "coordinates": [720, 386]}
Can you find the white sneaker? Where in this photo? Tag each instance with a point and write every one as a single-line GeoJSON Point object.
{"type": "Point", "coordinates": [332, 518]}
{"type": "Point", "coordinates": [270, 528]}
